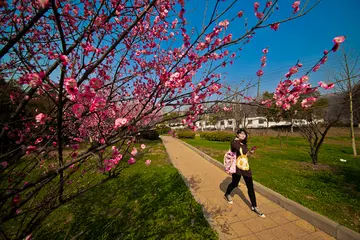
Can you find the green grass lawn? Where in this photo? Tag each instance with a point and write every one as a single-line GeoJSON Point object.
{"type": "Point", "coordinates": [145, 202]}
{"type": "Point", "coordinates": [332, 188]}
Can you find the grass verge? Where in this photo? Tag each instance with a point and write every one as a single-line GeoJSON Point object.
{"type": "Point", "coordinates": [145, 202]}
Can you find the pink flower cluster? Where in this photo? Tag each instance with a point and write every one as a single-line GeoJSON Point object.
{"type": "Point", "coordinates": [259, 15]}
{"type": "Point", "coordinates": [296, 6]}
{"type": "Point", "coordinates": [263, 59]}
{"type": "Point", "coordinates": [326, 86]}
{"type": "Point", "coordinates": [34, 80]}
{"type": "Point", "coordinates": [114, 161]}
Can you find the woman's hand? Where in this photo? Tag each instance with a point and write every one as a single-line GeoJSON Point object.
{"type": "Point", "coordinates": [252, 151]}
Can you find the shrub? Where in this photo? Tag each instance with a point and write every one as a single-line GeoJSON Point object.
{"type": "Point", "coordinates": [186, 134]}
{"type": "Point", "coordinates": [163, 130]}
{"type": "Point", "coordinates": [150, 135]}
{"type": "Point", "coordinates": [217, 136]}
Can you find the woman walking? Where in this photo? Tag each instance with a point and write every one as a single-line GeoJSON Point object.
{"type": "Point", "coordinates": [238, 146]}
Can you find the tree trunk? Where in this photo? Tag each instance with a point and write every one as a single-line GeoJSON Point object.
{"type": "Point", "coordinates": [352, 124]}
{"type": "Point", "coordinates": [350, 89]}
{"type": "Point", "coordinates": [314, 156]}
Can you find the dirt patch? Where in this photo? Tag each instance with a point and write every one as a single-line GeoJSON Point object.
{"type": "Point", "coordinates": [211, 152]}
{"type": "Point", "coordinates": [310, 166]}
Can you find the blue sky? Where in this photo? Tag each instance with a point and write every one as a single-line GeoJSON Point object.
{"type": "Point", "coordinates": [302, 39]}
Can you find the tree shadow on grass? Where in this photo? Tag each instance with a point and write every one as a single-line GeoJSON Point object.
{"type": "Point", "coordinates": [155, 205]}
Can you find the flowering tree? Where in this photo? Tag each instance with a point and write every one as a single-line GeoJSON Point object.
{"type": "Point", "coordinates": [104, 70]}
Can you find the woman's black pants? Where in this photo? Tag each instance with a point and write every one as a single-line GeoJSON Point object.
{"type": "Point", "coordinates": [249, 184]}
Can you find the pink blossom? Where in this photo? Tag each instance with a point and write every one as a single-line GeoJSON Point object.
{"type": "Point", "coordinates": [259, 15]}
{"type": "Point", "coordinates": [54, 144]}
{"type": "Point", "coordinates": [34, 80]}
{"type": "Point", "coordinates": [118, 158]}
{"type": "Point", "coordinates": [293, 70]}
{"type": "Point", "coordinates": [18, 211]}
{"type": "Point", "coordinates": [316, 68]}
{"type": "Point", "coordinates": [263, 59]}
{"type": "Point", "coordinates": [256, 6]}
{"type": "Point", "coordinates": [338, 40]}
{"type": "Point", "coordinates": [131, 161]}
{"type": "Point", "coordinates": [16, 199]}
{"type": "Point", "coordinates": [268, 4]}
{"type": "Point", "coordinates": [115, 150]}
{"type": "Point", "coordinates": [75, 146]}
{"type": "Point", "coordinates": [224, 23]}
{"type": "Point", "coordinates": [41, 118]}
{"type": "Point", "coordinates": [174, 23]}
{"type": "Point", "coordinates": [134, 152]}
{"type": "Point", "coordinates": [97, 104]}
{"type": "Point", "coordinates": [142, 146]}
{"type": "Point", "coordinates": [4, 164]}
{"type": "Point", "coordinates": [265, 51]}
{"type": "Point", "coordinates": [308, 102]}
{"type": "Point", "coordinates": [240, 14]}
{"type": "Point", "coordinates": [147, 162]}
{"type": "Point", "coordinates": [71, 86]}
{"type": "Point", "coordinates": [323, 60]}
{"type": "Point", "coordinates": [260, 73]}
{"type": "Point", "coordinates": [108, 168]}
{"type": "Point", "coordinates": [304, 78]}
{"type": "Point", "coordinates": [275, 26]}
{"type": "Point", "coordinates": [96, 83]}
{"type": "Point", "coordinates": [88, 94]}
{"type": "Point", "coordinates": [299, 65]}
{"type": "Point", "coordinates": [295, 6]}
{"type": "Point", "coordinates": [120, 122]}
{"type": "Point", "coordinates": [263, 102]}
{"type": "Point", "coordinates": [286, 106]}
{"type": "Point", "coordinates": [78, 109]}
{"type": "Point", "coordinates": [64, 59]}
{"type": "Point", "coordinates": [326, 86]}
{"type": "Point", "coordinates": [39, 140]}
{"type": "Point", "coordinates": [30, 149]}
{"type": "Point", "coordinates": [296, 82]}
{"type": "Point", "coordinates": [326, 52]}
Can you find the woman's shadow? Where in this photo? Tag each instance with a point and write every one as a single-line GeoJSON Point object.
{"type": "Point", "coordinates": [225, 183]}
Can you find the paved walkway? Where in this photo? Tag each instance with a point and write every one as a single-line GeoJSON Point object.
{"type": "Point", "coordinates": [235, 221]}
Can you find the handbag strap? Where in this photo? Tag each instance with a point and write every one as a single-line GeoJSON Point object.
{"type": "Point", "coordinates": [241, 152]}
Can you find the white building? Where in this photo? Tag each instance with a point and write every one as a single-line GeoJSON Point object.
{"type": "Point", "coordinates": [251, 122]}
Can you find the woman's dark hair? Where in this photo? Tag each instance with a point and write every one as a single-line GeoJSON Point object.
{"type": "Point", "coordinates": [246, 133]}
